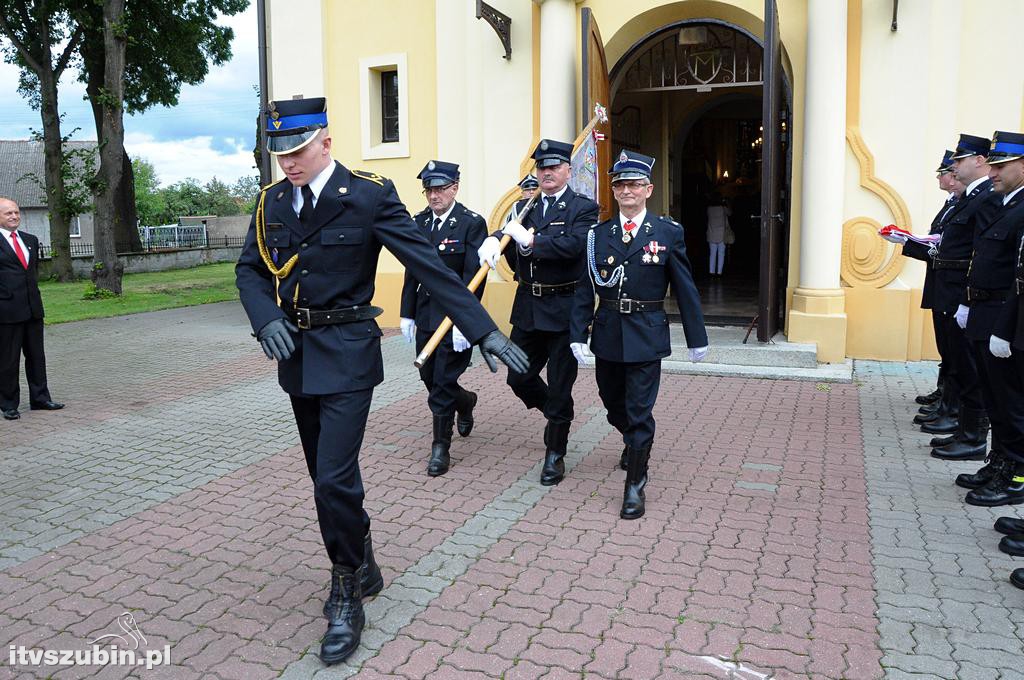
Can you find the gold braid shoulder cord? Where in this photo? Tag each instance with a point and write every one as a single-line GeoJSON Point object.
{"type": "Point", "coordinates": [268, 260]}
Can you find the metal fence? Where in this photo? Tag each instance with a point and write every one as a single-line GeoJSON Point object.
{"type": "Point", "coordinates": [150, 246]}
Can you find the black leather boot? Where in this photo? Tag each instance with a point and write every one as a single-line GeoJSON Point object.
{"type": "Point", "coordinates": [926, 411]}
{"type": "Point", "coordinates": [1012, 545]}
{"type": "Point", "coordinates": [929, 398]}
{"type": "Point", "coordinates": [439, 458]}
{"type": "Point", "coordinates": [556, 439]}
{"type": "Point", "coordinates": [1010, 526]}
{"type": "Point", "coordinates": [464, 413]}
{"type": "Point", "coordinates": [945, 423]}
{"type": "Point", "coordinates": [941, 441]}
{"type": "Point", "coordinates": [1017, 578]}
{"type": "Point", "coordinates": [370, 578]}
{"type": "Point", "coordinates": [345, 618]}
{"type": "Point", "coordinates": [985, 474]}
{"type": "Point", "coordinates": [624, 458]}
{"type": "Point", "coordinates": [1006, 488]}
{"type": "Point", "coordinates": [944, 419]}
{"type": "Point", "coordinates": [970, 442]}
{"type": "Point", "coordinates": [636, 479]}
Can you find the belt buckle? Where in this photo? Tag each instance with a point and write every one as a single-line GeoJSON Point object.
{"type": "Point", "coordinates": [302, 318]}
{"type": "Point", "coordinates": [536, 290]}
{"type": "Point", "coordinates": [625, 306]}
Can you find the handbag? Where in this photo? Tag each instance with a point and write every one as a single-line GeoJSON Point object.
{"type": "Point", "coordinates": [730, 236]}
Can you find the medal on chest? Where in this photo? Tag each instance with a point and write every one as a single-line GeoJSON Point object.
{"type": "Point", "coordinates": [651, 251]}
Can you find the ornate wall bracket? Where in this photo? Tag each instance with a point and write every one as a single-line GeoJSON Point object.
{"type": "Point", "coordinates": [501, 24]}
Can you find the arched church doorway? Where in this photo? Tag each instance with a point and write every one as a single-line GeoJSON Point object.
{"type": "Point", "coordinates": [691, 94]}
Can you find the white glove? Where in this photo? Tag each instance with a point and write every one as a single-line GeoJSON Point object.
{"type": "Point", "coordinates": [698, 353]}
{"type": "Point", "coordinates": [459, 340]}
{"type": "Point", "coordinates": [489, 252]}
{"type": "Point", "coordinates": [999, 347]}
{"type": "Point", "coordinates": [518, 233]}
{"type": "Point", "coordinates": [961, 315]}
{"type": "Point", "coordinates": [898, 239]}
{"type": "Point", "coordinates": [579, 351]}
{"type": "Point", "coordinates": [408, 330]}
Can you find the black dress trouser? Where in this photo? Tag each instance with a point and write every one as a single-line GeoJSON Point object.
{"type": "Point", "coordinates": [628, 391]}
{"type": "Point", "coordinates": [554, 399]}
{"type": "Point", "coordinates": [965, 371]}
{"type": "Point", "coordinates": [1003, 394]}
{"type": "Point", "coordinates": [331, 427]}
{"type": "Point", "coordinates": [16, 338]}
{"type": "Point", "coordinates": [441, 373]}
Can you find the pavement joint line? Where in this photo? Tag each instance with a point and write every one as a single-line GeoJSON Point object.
{"type": "Point", "coordinates": [412, 591]}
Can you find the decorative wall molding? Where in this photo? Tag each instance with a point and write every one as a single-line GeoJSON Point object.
{"type": "Point", "coordinates": [867, 260]}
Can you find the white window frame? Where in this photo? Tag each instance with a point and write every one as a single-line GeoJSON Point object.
{"type": "Point", "coordinates": [370, 69]}
{"type": "Point", "coordinates": [75, 227]}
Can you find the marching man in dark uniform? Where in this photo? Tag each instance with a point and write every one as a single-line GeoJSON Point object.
{"type": "Point", "coordinates": [548, 265]}
{"type": "Point", "coordinates": [972, 211]}
{"type": "Point", "coordinates": [631, 261]}
{"type": "Point", "coordinates": [306, 278]}
{"type": "Point", "coordinates": [528, 186]}
{"type": "Point", "coordinates": [456, 232]}
{"type": "Point", "coordinates": [989, 280]}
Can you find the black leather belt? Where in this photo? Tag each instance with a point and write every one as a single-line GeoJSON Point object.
{"type": "Point", "coordinates": [981, 295]}
{"type": "Point", "coordinates": [544, 289]}
{"type": "Point", "coordinates": [938, 263]}
{"type": "Point", "coordinates": [627, 306]}
{"type": "Point", "coordinates": [310, 318]}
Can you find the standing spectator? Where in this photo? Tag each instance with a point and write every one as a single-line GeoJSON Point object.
{"type": "Point", "coordinates": [719, 234]}
{"type": "Point", "coordinates": [21, 317]}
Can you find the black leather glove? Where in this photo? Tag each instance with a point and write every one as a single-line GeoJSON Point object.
{"type": "Point", "coordinates": [276, 339]}
{"type": "Point", "coordinates": [495, 344]}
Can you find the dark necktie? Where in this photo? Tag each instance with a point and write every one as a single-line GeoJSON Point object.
{"type": "Point", "coordinates": [306, 212]}
{"type": "Point", "coordinates": [548, 202]}
{"type": "Point", "coordinates": [437, 223]}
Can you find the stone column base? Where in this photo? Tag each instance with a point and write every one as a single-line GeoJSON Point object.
{"type": "Point", "coordinates": [819, 315]}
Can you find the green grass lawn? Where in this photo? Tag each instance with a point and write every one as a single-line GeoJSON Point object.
{"type": "Point", "coordinates": [142, 293]}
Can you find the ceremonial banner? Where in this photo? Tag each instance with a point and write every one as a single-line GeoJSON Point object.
{"type": "Point", "coordinates": [584, 168]}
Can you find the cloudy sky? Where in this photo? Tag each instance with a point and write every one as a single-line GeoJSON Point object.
{"type": "Point", "coordinates": [210, 132]}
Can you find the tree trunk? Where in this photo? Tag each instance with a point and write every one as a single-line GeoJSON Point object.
{"type": "Point", "coordinates": [60, 236]}
{"type": "Point", "coordinates": [126, 238]}
{"type": "Point", "coordinates": [107, 270]}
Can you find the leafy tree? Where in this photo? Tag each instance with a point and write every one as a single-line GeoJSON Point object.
{"type": "Point", "coordinates": [150, 202]}
{"type": "Point", "coordinates": [42, 41]}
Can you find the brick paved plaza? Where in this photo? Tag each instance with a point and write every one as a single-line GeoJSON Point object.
{"type": "Point", "coordinates": [793, 529]}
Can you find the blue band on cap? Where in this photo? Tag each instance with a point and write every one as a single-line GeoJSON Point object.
{"type": "Point", "coordinates": [297, 121]}
{"type": "Point", "coordinates": [1008, 147]}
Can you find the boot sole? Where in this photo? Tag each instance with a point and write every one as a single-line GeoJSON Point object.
{"type": "Point", "coordinates": [986, 504]}
{"type": "Point", "coordinates": [551, 482]}
{"type": "Point", "coordinates": [964, 485]}
{"type": "Point", "coordinates": [1015, 553]}
{"type": "Point", "coordinates": [338, 658]}
{"type": "Point", "coordinates": [625, 516]}
{"type": "Point", "coordinates": [437, 473]}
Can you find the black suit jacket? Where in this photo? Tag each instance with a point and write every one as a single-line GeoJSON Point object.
{"type": "Point", "coordinates": [456, 242]}
{"type": "Point", "coordinates": [356, 214]}
{"type": "Point", "coordinates": [961, 224]}
{"type": "Point", "coordinates": [556, 257]}
{"type": "Point", "coordinates": [20, 300]}
{"type": "Point", "coordinates": [638, 336]}
{"type": "Point", "coordinates": [993, 267]}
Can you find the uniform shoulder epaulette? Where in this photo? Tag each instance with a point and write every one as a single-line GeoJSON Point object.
{"type": "Point", "coordinates": [467, 211]}
{"type": "Point", "coordinates": [666, 218]}
{"type": "Point", "coordinates": [369, 176]}
{"type": "Point", "coordinates": [280, 181]}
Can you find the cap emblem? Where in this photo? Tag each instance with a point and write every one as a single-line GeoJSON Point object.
{"type": "Point", "coordinates": [544, 145]}
{"type": "Point", "coordinates": [276, 123]}
{"type": "Point", "coordinates": [431, 165]}
{"type": "Point", "coordinates": [623, 157]}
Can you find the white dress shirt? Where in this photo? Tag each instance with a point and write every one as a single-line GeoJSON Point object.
{"type": "Point", "coordinates": [21, 243]}
{"type": "Point", "coordinates": [316, 185]}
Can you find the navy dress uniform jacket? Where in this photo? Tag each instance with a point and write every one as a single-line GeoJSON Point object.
{"type": "Point", "coordinates": [20, 300]}
{"type": "Point", "coordinates": [993, 268]}
{"type": "Point", "coordinates": [957, 243]}
{"type": "Point", "coordinates": [456, 243]}
{"type": "Point", "coordinates": [638, 336]}
{"type": "Point", "coordinates": [919, 251]}
{"type": "Point", "coordinates": [356, 214]}
{"type": "Point", "coordinates": [556, 258]}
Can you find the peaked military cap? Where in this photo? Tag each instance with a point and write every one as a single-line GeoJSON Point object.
{"type": "Point", "coordinates": [631, 165]}
{"type": "Point", "coordinates": [969, 145]}
{"type": "Point", "coordinates": [946, 165]}
{"type": "Point", "coordinates": [549, 152]}
{"type": "Point", "coordinates": [438, 174]}
{"type": "Point", "coordinates": [293, 123]}
{"type": "Point", "coordinates": [529, 182]}
{"type": "Point", "coordinates": [1006, 147]}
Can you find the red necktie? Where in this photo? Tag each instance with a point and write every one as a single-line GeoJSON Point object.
{"type": "Point", "coordinates": [17, 249]}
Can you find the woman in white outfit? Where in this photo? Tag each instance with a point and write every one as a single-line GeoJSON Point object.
{"type": "Point", "coordinates": [718, 225]}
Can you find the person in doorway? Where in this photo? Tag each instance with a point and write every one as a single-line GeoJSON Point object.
{"type": "Point", "coordinates": [631, 261]}
{"type": "Point", "coordinates": [456, 232]}
{"type": "Point", "coordinates": [718, 234]}
{"type": "Point", "coordinates": [21, 317]}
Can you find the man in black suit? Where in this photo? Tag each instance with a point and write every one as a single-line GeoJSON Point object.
{"type": "Point", "coordinates": [456, 232]}
{"type": "Point", "coordinates": [306, 278]}
{"type": "Point", "coordinates": [21, 316]}
{"type": "Point", "coordinates": [548, 264]}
